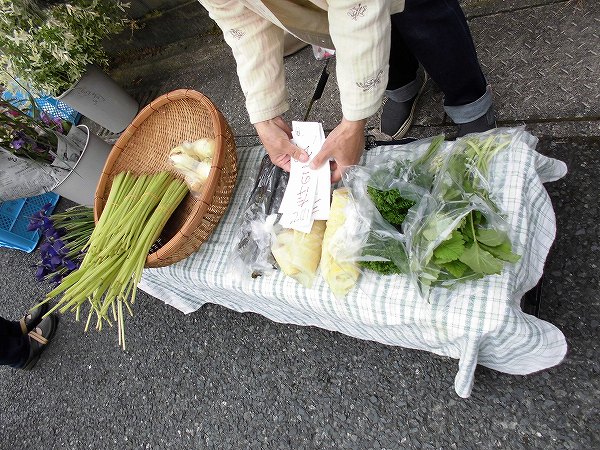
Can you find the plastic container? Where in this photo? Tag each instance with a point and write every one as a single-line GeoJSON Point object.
{"type": "Point", "coordinates": [14, 218]}
{"type": "Point", "coordinates": [56, 108]}
{"type": "Point", "coordinates": [52, 106]}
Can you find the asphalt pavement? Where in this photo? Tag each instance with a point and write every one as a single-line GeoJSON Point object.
{"type": "Point", "coordinates": [219, 379]}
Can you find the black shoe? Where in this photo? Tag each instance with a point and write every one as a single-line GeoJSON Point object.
{"type": "Point", "coordinates": [397, 117]}
{"type": "Point", "coordinates": [39, 338]}
{"type": "Point", "coordinates": [484, 123]}
{"type": "Point", "coordinates": [30, 320]}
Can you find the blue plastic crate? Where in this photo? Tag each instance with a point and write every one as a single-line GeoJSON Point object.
{"type": "Point", "coordinates": [56, 108]}
{"type": "Point", "coordinates": [14, 218]}
{"type": "Point", "coordinates": [52, 106]}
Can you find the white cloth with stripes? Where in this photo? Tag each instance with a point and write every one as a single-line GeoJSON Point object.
{"type": "Point", "coordinates": [480, 322]}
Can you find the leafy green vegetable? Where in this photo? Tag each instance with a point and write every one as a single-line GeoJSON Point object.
{"type": "Point", "coordinates": [436, 226]}
{"type": "Point", "coordinates": [456, 268]}
{"type": "Point", "coordinates": [385, 247]}
{"type": "Point", "coordinates": [490, 237]}
{"type": "Point", "coordinates": [474, 248]}
{"type": "Point", "coordinates": [392, 206]}
{"type": "Point", "coordinates": [472, 251]}
{"type": "Point", "coordinates": [450, 249]}
{"type": "Point", "coordinates": [480, 261]}
{"type": "Point", "coordinates": [502, 251]}
{"type": "Point", "coordinates": [467, 169]}
{"type": "Point", "coordinates": [381, 267]}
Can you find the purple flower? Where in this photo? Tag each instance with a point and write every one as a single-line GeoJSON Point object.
{"type": "Point", "coordinates": [40, 273]}
{"type": "Point", "coordinates": [52, 252]}
{"type": "Point", "coordinates": [60, 248]}
{"type": "Point", "coordinates": [34, 224]}
{"type": "Point", "coordinates": [45, 118]}
{"type": "Point", "coordinates": [44, 247]}
{"type": "Point", "coordinates": [17, 144]}
{"type": "Point", "coordinates": [70, 264]}
{"type": "Point", "coordinates": [53, 122]}
{"type": "Point", "coordinates": [39, 220]}
{"type": "Point", "coordinates": [59, 125]}
{"type": "Point", "coordinates": [55, 248]}
{"type": "Point", "coordinates": [55, 262]}
{"type": "Point", "coordinates": [51, 233]}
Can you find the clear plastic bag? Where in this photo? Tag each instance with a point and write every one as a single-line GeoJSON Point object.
{"type": "Point", "coordinates": [322, 53]}
{"type": "Point", "coordinates": [427, 210]}
{"type": "Point", "coordinates": [339, 268]}
{"type": "Point", "coordinates": [251, 255]}
{"type": "Point", "coordinates": [456, 241]}
{"type": "Point", "coordinates": [458, 232]}
{"type": "Point", "coordinates": [382, 193]}
{"type": "Point", "coordinates": [298, 254]}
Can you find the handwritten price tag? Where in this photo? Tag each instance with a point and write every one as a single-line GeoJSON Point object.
{"type": "Point", "coordinates": [306, 197]}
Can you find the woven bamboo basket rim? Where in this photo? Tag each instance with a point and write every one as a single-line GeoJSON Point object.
{"type": "Point", "coordinates": [180, 115]}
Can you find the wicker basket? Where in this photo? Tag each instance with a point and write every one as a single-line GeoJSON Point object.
{"type": "Point", "coordinates": [181, 115]}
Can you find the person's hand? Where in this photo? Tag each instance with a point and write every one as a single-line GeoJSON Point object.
{"type": "Point", "coordinates": [275, 135]}
{"type": "Point", "coordinates": [345, 144]}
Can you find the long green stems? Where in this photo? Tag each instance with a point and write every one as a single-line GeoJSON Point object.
{"type": "Point", "coordinates": [135, 213]}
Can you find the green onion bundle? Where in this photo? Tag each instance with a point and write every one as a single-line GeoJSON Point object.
{"type": "Point", "coordinates": [136, 211]}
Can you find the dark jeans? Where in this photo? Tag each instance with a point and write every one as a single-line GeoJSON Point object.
{"type": "Point", "coordinates": [14, 345]}
{"type": "Point", "coordinates": [435, 33]}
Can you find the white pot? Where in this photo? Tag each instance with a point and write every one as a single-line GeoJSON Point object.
{"type": "Point", "coordinates": [100, 99]}
{"type": "Point", "coordinates": [80, 184]}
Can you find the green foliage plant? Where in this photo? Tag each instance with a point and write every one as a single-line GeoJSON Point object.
{"type": "Point", "coordinates": [49, 47]}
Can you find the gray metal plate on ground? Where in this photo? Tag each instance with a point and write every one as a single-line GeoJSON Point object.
{"type": "Point", "coordinates": [543, 62]}
{"type": "Point", "coordinates": [474, 8]}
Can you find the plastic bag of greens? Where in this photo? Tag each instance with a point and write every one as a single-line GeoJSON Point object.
{"type": "Point", "coordinates": [365, 235]}
{"type": "Point", "coordinates": [382, 194]}
{"type": "Point", "coordinates": [458, 232]}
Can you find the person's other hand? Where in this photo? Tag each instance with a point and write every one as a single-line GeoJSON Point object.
{"type": "Point", "coordinates": [345, 144]}
{"type": "Point", "coordinates": [275, 135]}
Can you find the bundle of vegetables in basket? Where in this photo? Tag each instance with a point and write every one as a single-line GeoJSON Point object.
{"type": "Point", "coordinates": [136, 211]}
{"type": "Point", "coordinates": [193, 160]}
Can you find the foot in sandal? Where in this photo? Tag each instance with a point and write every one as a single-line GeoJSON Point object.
{"type": "Point", "coordinates": [39, 338]}
{"type": "Point", "coordinates": [30, 320]}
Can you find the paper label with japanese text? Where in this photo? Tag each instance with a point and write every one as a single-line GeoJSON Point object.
{"type": "Point", "coordinates": [307, 196]}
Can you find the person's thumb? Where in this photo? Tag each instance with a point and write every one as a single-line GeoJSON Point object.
{"type": "Point", "coordinates": [320, 159]}
{"type": "Point", "coordinates": [297, 153]}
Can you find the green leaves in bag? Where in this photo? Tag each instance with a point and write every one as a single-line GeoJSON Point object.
{"type": "Point", "coordinates": [473, 251]}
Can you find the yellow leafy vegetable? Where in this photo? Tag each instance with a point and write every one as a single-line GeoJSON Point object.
{"type": "Point", "coordinates": [341, 276]}
{"type": "Point", "coordinates": [298, 253]}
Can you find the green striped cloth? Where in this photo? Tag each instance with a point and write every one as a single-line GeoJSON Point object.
{"type": "Point", "coordinates": [479, 322]}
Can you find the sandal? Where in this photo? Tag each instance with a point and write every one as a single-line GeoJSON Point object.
{"type": "Point", "coordinates": [39, 339]}
{"type": "Point", "coordinates": [30, 320]}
